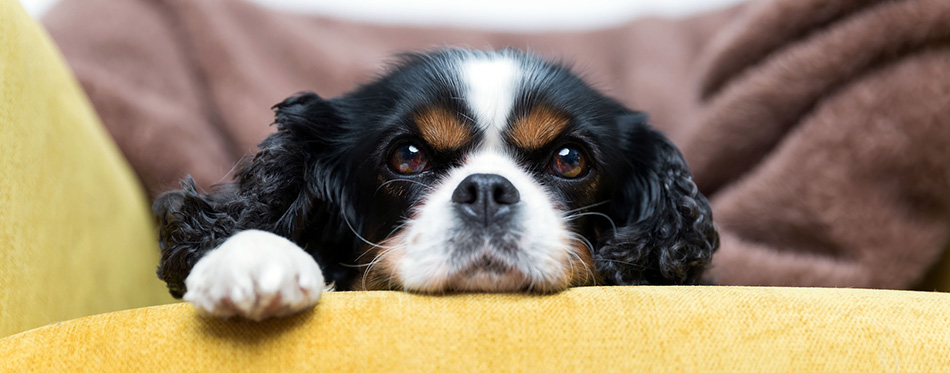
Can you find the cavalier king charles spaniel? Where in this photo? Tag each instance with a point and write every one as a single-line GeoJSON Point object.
{"type": "Point", "coordinates": [457, 171]}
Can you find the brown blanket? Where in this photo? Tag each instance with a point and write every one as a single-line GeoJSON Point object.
{"type": "Point", "coordinates": [819, 129]}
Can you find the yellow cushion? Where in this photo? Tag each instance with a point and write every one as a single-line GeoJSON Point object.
{"type": "Point", "coordinates": [76, 236]}
{"type": "Point", "coordinates": [627, 329]}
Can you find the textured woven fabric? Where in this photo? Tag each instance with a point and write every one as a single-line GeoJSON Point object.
{"type": "Point", "coordinates": [624, 329]}
{"type": "Point", "coordinates": [76, 237]}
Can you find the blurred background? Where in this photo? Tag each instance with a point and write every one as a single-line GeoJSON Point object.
{"type": "Point", "coordinates": [502, 15]}
{"type": "Point", "coordinates": [809, 124]}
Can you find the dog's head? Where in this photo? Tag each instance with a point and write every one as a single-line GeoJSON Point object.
{"type": "Point", "coordinates": [467, 170]}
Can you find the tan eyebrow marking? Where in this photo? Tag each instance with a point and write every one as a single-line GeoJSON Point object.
{"type": "Point", "coordinates": [538, 127]}
{"type": "Point", "coordinates": [442, 128]}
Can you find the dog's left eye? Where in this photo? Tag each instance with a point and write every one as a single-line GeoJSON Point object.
{"type": "Point", "coordinates": [408, 159]}
{"type": "Point", "coordinates": [569, 163]}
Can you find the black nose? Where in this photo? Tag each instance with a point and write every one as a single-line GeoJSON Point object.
{"type": "Point", "coordinates": [485, 198]}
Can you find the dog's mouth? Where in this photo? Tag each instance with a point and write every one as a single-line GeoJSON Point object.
{"type": "Point", "coordinates": [495, 273]}
{"type": "Point", "coordinates": [488, 273]}
{"type": "Point", "coordinates": [486, 264]}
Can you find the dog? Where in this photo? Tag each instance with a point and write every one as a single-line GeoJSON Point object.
{"type": "Point", "coordinates": [457, 171]}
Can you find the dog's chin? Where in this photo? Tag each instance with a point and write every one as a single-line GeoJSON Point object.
{"type": "Point", "coordinates": [489, 272]}
{"type": "Point", "coordinates": [488, 280]}
{"type": "Point", "coordinates": [481, 280]}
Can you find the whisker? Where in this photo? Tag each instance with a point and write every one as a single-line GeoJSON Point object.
{"type": "Point", "coordinates": [590, 274]}
{"type": "Point", "coordinates": [626, 263]}
{"type": "Point", "coordinates": [388, 236]}
{"type": "Point", "coordinates": [601, 203]}
{"type": "Point", "coordinates": [355, 265]}
{"type": "Point", "coordinates": [233, 168]}
{"type": "Point", "coordinates": [470, 119]}
{"type": "Point", "coordinates": [576, 216]}
{"type": "Point", "coordinates": [571, 262]}
{"type": "Point", "coordinates": [580, 238]}
{"type": "Point", "coordinates": [389, 282]}
{"type": "Point", "coordinates": [347, 221]}
{"type": "Point", "coordinates": [427, 187]}
{"type": "Point", "coordinates": [590, 247]}
{"type": "Point", "coordinates": [369, 269]}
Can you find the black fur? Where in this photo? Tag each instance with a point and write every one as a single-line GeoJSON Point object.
{"type": "Point", "coordinates": [288, 188]}
{"type": "Point", "coordinates": [316, 181]}
{"type": "Point", "coordinates": [665, 233]}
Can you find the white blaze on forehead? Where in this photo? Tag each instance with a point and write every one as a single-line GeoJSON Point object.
{"type": "Point", "coordinates": [491, 83]}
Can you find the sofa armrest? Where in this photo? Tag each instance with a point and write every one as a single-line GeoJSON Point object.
{"type": "Point", "coordinates": [76, 235]}
{"type": "Point", "coordinates": [591, 329]}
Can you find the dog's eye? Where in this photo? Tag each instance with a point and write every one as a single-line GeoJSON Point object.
{"type": "Point", "coordinates": [408, 159]}
{"type": "Point", "coordinates": [569, 163]}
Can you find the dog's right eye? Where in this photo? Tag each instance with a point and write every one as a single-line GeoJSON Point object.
{"type": "Point", "coordinates": [408, 159]}
{"type": "Point", "coordinates": [569, 163]}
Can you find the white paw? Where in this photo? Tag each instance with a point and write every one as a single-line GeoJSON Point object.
{"type": "Point", "coordinates": [255, 274]}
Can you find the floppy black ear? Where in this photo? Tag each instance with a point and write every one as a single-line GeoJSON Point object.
{"type": "Point", "coordinates": [288, 187]}
{"type": "Point", "coordinates": [664, 230]}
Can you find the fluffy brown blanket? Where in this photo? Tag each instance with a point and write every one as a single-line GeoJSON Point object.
{"type": "Point", "coordinates": [819, 129]}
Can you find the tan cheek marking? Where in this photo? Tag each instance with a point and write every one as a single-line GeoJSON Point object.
{"type": "Point", "coordinates": [379, 265]}
{"type": "Point", "coordinates": [582, 268]}
{"type": "Point", "coordinates": [537, 128]}
{"type": "Point", "coordinates": [442, 128]}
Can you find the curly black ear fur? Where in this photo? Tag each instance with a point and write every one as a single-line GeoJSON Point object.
{"type": "Point", "coordinates": [288, 188]}
{"type": "Point", "coordinates": [665, 232]}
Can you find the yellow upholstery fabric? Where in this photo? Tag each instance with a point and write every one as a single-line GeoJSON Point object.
{"type": "Point", "coordinates": [627, 329]}
{"type": "Point", "coordinates": [76, 236]}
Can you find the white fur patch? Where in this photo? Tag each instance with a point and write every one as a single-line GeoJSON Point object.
{"type": "Point", "coordinates": [257, 275]}
{"type": "Point", "coordinates": [492, 82]}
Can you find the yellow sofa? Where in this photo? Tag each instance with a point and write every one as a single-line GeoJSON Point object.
{"type": "Point", "coordinates": [76, 239]}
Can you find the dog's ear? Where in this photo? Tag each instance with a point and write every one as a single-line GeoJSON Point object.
{"type": "Point", "coordinates": [291, 183]}
{"type": "Point", "coordinates": [664, 232]}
